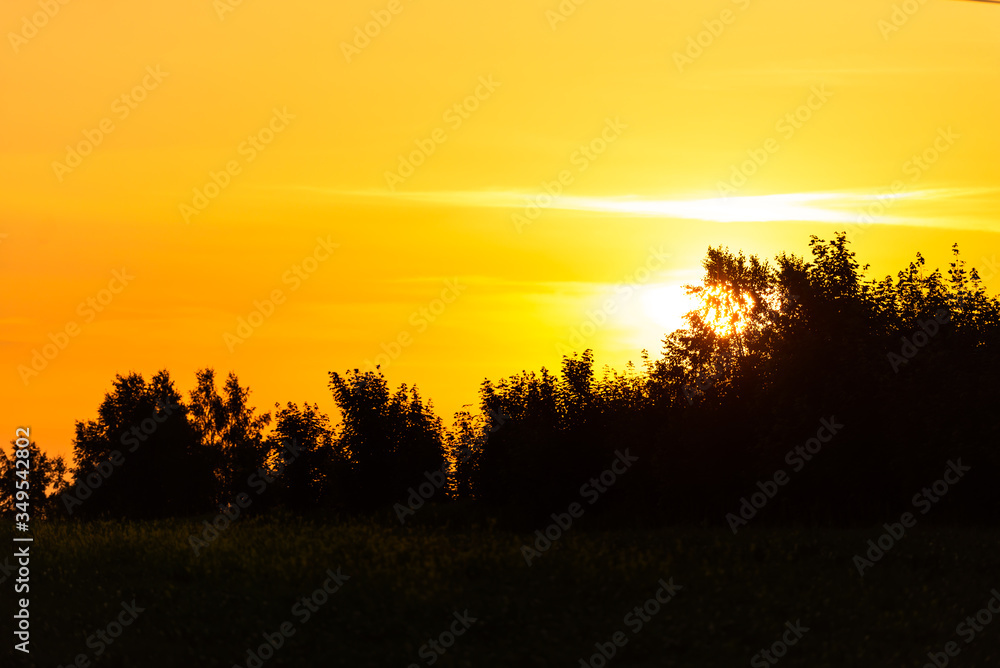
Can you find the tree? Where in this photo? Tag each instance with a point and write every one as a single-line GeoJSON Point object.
{"type": "Point", "coordinates": [465, 443]}
{"type": "Point", "coordinates": [44, 479]}
{"type": "Point", "coordinates": [302, 446]}
{"type": "Point", "coordinates": [141, 457]}
{"type": "Point", "coordinates": [231, 429]}
{"type": "Point", "coordinates": [392, 440]}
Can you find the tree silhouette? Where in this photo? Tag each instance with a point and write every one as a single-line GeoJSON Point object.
{"type": "Point", "coordinates": [165, 468]}
{"type": "Point", "coordinates": [390, 439]}
{"type": "Point", "coordinates": [464, 443]}
{"type": "Point", "coordinates": [303, 446]}
{"type": "Point", "coordinates": [906, 362]}
{"type": "Point", "coordinates": [231, 429]}
{"type": "Point", "coordinates": [46, 478]}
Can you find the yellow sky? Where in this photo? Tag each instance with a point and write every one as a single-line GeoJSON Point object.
{"type": "Point", "coordinates": [473, 184]}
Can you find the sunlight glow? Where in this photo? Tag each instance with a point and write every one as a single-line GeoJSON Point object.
{"type": "Point", "coordinates": [722, 311]}
{"type": "Point", "coordinates": [821, 207]}
{"type": "Point", "coordinates": [664, 306]}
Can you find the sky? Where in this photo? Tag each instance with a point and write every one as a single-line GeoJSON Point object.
{"type": "Point", "coordinates": [455, 191]}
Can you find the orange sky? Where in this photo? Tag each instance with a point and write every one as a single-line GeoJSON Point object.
{"type": "Point", "coordinates": [202, 151]}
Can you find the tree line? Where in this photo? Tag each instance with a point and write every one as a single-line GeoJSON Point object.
{"type": "Point", "coordinates": [907, 365]}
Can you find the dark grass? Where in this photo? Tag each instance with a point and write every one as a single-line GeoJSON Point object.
{"type": "Point", "coordinates": [405, 583]}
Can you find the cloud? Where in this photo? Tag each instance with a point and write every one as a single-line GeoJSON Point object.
{"type": "Point", "coordinates": [945, 207]}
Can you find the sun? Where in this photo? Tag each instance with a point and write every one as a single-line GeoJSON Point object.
{"type": "Point", "coordinates": [664, 306]}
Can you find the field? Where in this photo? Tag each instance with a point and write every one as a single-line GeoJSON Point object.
{"type": "Point", "coordinates": [405, 585]}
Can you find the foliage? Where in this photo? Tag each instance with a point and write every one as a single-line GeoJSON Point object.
{"type": "Point", "coordinates": [907, 363]}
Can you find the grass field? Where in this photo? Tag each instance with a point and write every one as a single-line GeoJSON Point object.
{"type": "Point", "coordinates": [405, 584]}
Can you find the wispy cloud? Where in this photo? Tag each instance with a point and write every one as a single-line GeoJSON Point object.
{"type": "Point", "coordinates": [928, 207]}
